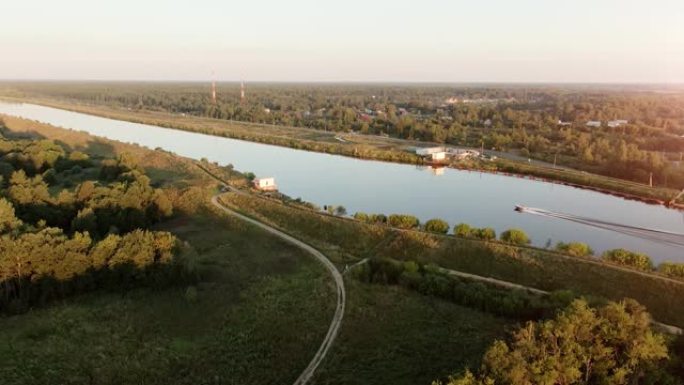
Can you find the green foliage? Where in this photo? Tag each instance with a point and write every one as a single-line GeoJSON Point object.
{"type": "Point", "coordinates": [437, 226]}
{"type": "Point", "coordinates": [628, 258]}
{"type": "Point", "coordinates": [463, 230]}
{"type": "Point", "coordinates": [52, 246]}
{"type": "Point", "coordinates": [429, 280]}
{"type": "Point", "coordinates": [672, 269]}
{"type": "Point", "coordinates": [8, 221]}
{"type": "Point", "coordinates": [575, 249]}
{"type": "Point", "coordinates": [485, 233]}
{"type": "Point", "coordinates": [515, 236]}
{"type": "Point", "coordinates": [403, 221]}
{"type": "Point", "coordinates": [613, 344]}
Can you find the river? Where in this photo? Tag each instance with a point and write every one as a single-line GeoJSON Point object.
{"type": "Point", "coordinates": [479, 199]}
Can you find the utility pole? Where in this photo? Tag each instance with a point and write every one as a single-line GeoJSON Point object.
{"type": "Point", "coordinates": [650, 180]}
{"type": "Point", "coordinates": [242, 92]}
{"type": "Point", "coordinates": [213, 87]}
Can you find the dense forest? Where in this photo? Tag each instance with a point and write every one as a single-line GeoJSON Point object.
{"type": "Point", "coordinates": [69, 223]}
{"type": "Point", "coordinates": [641, 128]}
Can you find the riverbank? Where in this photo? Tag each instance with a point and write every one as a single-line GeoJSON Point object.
{"type": "Point", "coordinates": [259, 299]}
{"type": "Point", "coordinates": [369, 147]}
{"type": "Point", "coordinates": [351, 240]}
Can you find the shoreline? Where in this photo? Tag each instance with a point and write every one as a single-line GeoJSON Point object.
{"type": "Point", "coordinates": [382, 155]}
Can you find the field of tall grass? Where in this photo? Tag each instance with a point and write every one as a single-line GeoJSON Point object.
{"type": "Point", "coordinates": [348, 240]}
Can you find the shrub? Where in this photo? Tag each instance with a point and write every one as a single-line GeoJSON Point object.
{"type": "Point", "coordinates": [403, 221]}
{"type": "Point", "coordinates": [340, 211]}
{"type": "Point", "coordinates": [515, 237]}
{"type": "Point", "coordinates": [437, 226]}
{"type": "Point", "coordinates": [671, 269]}
{"type": "Point", "coordinates": [463, 230]}
{"type": "Point", "coordinates": [485, 233]}
{"type": "Point", "coordinates": [576, 249]}
{"type": "Point", "coordinates": [624, 257]}
{"type": "Point", "coordinates": [363, 217]}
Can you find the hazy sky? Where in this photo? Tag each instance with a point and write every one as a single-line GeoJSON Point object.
{"type": "Point", "coordinates": [381, 40]}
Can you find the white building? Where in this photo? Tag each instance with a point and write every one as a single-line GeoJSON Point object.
{"type": "Point", "coordinates": [265, 184]}
{"type": "Point", "coordinates": [437, 156]}
{"type": "Point", "coordinates": [594, 123]}
{"type": "Point", "coordinates": [425, 151]}
{"type": "Point", "coordinates": [617, 123]}
{"type": "Point", "coordinates": [463, 153]}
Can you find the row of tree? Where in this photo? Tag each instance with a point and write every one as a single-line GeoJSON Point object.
{"type": "Point", "coordinates": [518, 237]}
{"type": "Point", "coordinates": [56, 241]}
{"type": "Point", "coordinates": [583, 345]}
{"type": "Point", "coordinates": [502, 118]}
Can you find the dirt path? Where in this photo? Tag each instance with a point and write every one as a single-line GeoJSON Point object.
{"type": "Point", "coordinates": [308, 372]}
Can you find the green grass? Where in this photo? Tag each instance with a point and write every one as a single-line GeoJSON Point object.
{"type": "Point", "coordinates": [528, 266]}
{"type": "Point", "coordinates": [259, 300]}
{"type": "Point", "coordinates": [394, 336]}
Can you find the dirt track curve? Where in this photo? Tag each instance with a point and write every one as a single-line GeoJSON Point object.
{"type": "Point", "coordinates": [308, 372]}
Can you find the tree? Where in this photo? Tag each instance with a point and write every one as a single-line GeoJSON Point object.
{"type": "Point", "coordinates": [340, 211]}
{"type": "Point", "coordinates": [403, 221]}
{"type": "Point", "coordinates": [437, 226]}
{"type": "Point", "coordinates": [675, 270]}
{"type": "Point", "coordinates": [515, 237]}
{"type": "Point", "coordinates": [8, 221]}
{"type": "Point", "coordinates": [485, 233]}
{"type": "Point", "coordinates": [613, 344]}
{"type": "Point", "coordinates": [462, 230]}
{"type": "Point", "coordinates": [576, 249]}
{"type": "Point", "coordinates": [624, 257]}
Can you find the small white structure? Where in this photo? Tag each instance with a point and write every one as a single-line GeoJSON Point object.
{"type": "Point", "coordinates": [463, 153]}
{"type": "Point", "coordinates": [437, 156]}
{"type": "Point", "coordinates": [594, 123]}
{"type": "Point", "coordinates": [617, 123]}
{"type": "Point", "coordinates": [564, 124]}
{"type": "Point", "coordinates": [265, 184]}
{"type": "Point", "coordinates": [425, 151]}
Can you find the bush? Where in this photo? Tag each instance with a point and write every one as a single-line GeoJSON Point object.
{"type": "Point", "coordinates": [403, 221]}
{"type": "Point", "coordinates": [363, 217]}
{"type": "Point", "coordinates": [624, 257]}
{"type": "Point", "coordinates": [463, 230]}
{"type": "Point", "coordinates": [485, 233]}
{"type": "Point", "coordinates": [671, 269]}
{"type": "Point", "coordinates": [437, 226]}
{"type": "Point", "coordinates": [515, 237]}
{"type": "Point", "coordinates": [576, 249]}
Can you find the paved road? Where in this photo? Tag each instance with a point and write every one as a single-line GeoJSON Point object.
{"type": "Point", "coordinates": [337, 277]}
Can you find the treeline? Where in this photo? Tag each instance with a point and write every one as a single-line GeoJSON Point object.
{"type": "Point", "coordinates": [56, 241]}
{"type": "Point", "coordinates": [501, 118]}
{"type": "Point", "coordinates": [514, 236]}
{"type": "Point", "coordinates": [429, 280]}
{"type": "Point", "coordinates": [582, 345]}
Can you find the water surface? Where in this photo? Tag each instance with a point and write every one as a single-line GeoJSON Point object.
{"type": "Point", "coordinates": [480, 199]}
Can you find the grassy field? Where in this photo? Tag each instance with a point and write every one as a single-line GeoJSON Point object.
{"type": "Point", "coordinates": [394, 336]}
{"type": "Point", "coordinates": [349, 240]}
{"type": "Point", "coordinates": [363, 146]}
{"type": "Point", "coordinates": [256, 316]}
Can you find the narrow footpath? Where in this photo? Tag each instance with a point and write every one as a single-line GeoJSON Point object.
{"type": "Point", "coordinates": [308, 372]}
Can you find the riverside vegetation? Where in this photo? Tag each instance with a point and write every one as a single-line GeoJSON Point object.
{"type": "Point", "coordinates": [249, 299]}
{"type": "Point", "coordinates": [516, 122]}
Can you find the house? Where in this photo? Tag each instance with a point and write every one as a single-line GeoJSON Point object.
{"type": "Point", "coordinates": [617, 123]}
{"type": "Point", "coordinates": [425, 151]}
{"type": "Point", "coordinates": [564, 124]}
{"type": "Point", "coordinates": [264, 184]}
{"type": "Point", "coordinates": [462, 153]}
{"type": "Point", "coordinates": [438, 156]}
{"type": "Point", "coordinates": [594, 123]}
